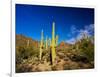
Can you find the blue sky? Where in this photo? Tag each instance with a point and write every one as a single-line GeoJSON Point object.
{"type": "Point", "coordinates": [69, 21]}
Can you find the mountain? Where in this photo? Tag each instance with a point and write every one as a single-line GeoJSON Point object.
{"type": "Point", "coordinates": [22, 40]}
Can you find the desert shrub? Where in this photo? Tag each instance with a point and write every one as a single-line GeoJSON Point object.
{"type": "Point", "coordinates": [84, 48]}
{"type": "Point", "coordinates": [25, 53]}
{"type": "Point", "coordinates": [87, 48]}
{"type": "Point", "coordinates": [19, 56]}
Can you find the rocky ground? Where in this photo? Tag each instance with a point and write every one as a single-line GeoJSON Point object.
{"type": "Point", "coordinates": [64, 61]}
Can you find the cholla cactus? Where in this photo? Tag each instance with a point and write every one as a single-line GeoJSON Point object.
{"type": "Point", "coordinates": [53, 44]}
{"type": "Point", "coordinates": [41, 46]}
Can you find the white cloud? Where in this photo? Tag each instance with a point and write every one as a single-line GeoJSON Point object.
{"type": "Point", "coordinates": [90, 28]}
{"type": "Point", "coordinates": [81, 33]}
{"type": "Point", "coordinates": [87, 31]}
{"type": "Point", "coordinates": [73, 29]}
{"type": "Point", "coordinates": [71, 41]}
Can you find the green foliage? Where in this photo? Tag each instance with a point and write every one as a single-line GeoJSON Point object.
{"type": "Point", "coordinates": [76, 56]}
{"type": "Point", "coordinates": [88, 49]}
{"type": "Point", "coordinates": [84, 48]}
{"type": "Point", "coordinates": [25, 53]}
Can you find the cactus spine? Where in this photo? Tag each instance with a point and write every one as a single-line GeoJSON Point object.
{"type": "Point", "coordinates": [41, 46]}
{"type": "Point", "coordinates": [53, 44]}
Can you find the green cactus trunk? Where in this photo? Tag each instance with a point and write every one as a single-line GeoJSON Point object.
{"type": "Point", "coordinates": [28, 43]}
{"type": "Point", "coordinates": [41, 46]}
{"type": "Point", "coordinates": [56, 40]}
{"type": "Point", "coordinates": [53, 44]}
{"type": "Point", "coordinates": [49, 42]}
{"type": "Point", "coordinates": [46, 43]}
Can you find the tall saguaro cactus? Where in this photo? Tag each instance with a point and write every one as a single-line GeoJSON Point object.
{"type": "Point", "coordinates": [41, 46]}
{"type": "Point", "coordinates": [53, 44]}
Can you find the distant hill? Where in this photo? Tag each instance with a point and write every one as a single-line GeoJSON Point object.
{"type": "Point", "coordinates": [22, 40]}
{"type": "Point", "coordinates": [64, 44]}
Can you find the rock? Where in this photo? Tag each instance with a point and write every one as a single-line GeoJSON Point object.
{"type": "Point", "coordinates": [44, 67]}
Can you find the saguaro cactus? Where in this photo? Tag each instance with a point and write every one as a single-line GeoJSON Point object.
{"type": "Point", "coordinates": [49, 42]}
{"type": "Point", "coordinates": [56, 40]}
{"type": "Point", "coordinates": [53, 44]}
{"type": "Point", "coordinates": [41, 46]}
{"type": "Point", "coordinates": [28, 41]}
{"type": "Point", "coordinates": [46, 43]}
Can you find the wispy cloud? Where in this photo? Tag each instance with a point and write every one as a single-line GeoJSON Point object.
{"type": "Point", "coordinates": [73, 29]}
{"type": "Point", "coordinates": [71, 41]}
{"type": "Point", "coordinates": [88, 30]}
